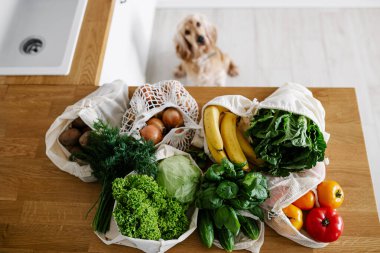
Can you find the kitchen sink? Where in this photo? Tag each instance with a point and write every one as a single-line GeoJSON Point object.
{"type": "Point", "coordinates": [38, 37]}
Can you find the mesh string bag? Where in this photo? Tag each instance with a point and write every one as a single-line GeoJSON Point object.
{"type": "Point", "coordinates": [285, 190]}
{"type": "Point", "coordinates": [151, 99]}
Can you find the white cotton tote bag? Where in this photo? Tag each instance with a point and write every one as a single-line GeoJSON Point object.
{"type": "Point", "coordinates": [108, 103]}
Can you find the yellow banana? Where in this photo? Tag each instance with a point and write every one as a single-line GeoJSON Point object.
{"type": "Point", "coordinates": [247, 148]}
{"type": "Point", "coordinates": [220, 119]}
{"type": "Point", "coordinates": [211, 126]}
{"type": "Point", "coordinates": [217, 155]}
{"type": "Point", "coordinates": [231, 143]}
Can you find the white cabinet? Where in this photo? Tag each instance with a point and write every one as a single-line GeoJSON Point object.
{"type": "Point", "coordinates": [128, 42]}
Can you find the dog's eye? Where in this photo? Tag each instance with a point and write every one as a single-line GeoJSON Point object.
{"type": "Point", "coordinates": [187, 32]}
{"type": "Point", "coordinates": [198, 24]}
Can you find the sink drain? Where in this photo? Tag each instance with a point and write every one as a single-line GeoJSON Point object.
{"type": "Point", "coordinates": [32, 46]}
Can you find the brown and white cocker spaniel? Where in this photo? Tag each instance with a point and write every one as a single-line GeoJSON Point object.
{"type": "Point", "coordinates": [202, 61]}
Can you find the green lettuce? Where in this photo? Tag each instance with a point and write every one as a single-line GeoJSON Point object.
{"type": "Point", "coordinates": [287, 142]}
{"type": "Point", "coordinates": [179, 177]}
{"type": "Point", "coordinates": [144, 210]}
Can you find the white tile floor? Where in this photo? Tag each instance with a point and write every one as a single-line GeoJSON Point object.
{"type": "Point", "coordinates": [315, 47]}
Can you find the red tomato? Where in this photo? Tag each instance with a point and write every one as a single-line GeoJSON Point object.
{"type": "Point", "coordinates": [324, 224]}
{"type": "Point", "coordinates": [306, 202]}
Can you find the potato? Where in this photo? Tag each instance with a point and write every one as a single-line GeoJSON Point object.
{"type": "Point", "coordinates": [83, 140]}
{"type": "Point", "coordinates": [74, 149]}
{"type": "Point", "coordinates": [78, 123]}
{"type": "Point", "coordinates": [85, 129]}
{"type": "Point", "coordinates": [74, 159]}
{"type": "Point", "coordinates": [70, 137]}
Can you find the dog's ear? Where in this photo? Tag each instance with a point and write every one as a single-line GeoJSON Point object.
{"type": "Point", "coordinates": [211, 31]}
{"type": "Point", "coordinates": [181, 47]}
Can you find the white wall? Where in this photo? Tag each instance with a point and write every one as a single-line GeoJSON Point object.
{"type": "Point", "coordinates": [128, 42]}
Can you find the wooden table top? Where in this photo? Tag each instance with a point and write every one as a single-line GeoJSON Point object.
{"type": "Point", "coordinates": [43, 209]}
{"type": "Point", "coordinates": [89, 52]}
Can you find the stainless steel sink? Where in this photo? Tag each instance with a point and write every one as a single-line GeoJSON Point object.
{"type": "Point", "coordinates": [38, 37]}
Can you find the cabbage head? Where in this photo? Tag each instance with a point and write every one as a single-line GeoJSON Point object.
{"type": "Point", "coordinates": [180, 177]}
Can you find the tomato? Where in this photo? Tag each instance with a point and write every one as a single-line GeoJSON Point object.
{"type": "Point", "coordinates": [306, 202]}
{"type": "Point", "coordinates": [295, 215]}
{"type": "Point", "coordinates": [330, 194]}
{"type": "Point", "coordinates": [324, 224]}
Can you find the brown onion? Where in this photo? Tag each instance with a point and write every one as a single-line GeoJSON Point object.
{"type": "Point", "coordinates": [159, 115]}
{"type": "Point", "coordinates": [151, 133]}
{"type": "Point", "coordinates": [158, 123]}
{"type": "Point", "coordinates": [172, 118]}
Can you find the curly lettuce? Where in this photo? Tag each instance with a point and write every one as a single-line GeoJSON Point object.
{"type": "Point", "coordinates": [145, 211]}
{"type": "Point", "coordinates": [287, 142]}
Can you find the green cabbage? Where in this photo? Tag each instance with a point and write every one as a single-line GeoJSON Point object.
{"type": "Point", "coordinates": [179, 177]}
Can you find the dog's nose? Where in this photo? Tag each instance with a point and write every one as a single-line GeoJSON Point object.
{"type": "Point", "coordinates": [201, 39]}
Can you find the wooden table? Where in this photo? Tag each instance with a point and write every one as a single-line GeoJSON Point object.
{"type": "Point", "coordinates": [43, 208]}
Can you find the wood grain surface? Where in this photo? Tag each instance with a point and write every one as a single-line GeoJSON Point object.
{"type": "Point", "coordinates": [43, 209]}
{"type": "Point", "coordinates": [89, 53]}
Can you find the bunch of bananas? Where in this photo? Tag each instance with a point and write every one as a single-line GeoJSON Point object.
{"type": "Point", "coordinates": [225, 139]}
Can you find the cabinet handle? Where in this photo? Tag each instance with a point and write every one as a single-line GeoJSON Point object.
{"type": "Point", "coordinates": [123, 1]}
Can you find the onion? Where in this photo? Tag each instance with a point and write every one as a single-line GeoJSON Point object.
{"type": "Point", "coordinates": [156, 122]}
{"type": "Point", "coordinates": [172, 118]}
{"type": "Point", "coordinates": [159, 115]}
{"type": "Point", "coordinates": [151, 133]}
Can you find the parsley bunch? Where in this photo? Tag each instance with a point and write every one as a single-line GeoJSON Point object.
{"type": "Point", "coordinates": [112, 155]}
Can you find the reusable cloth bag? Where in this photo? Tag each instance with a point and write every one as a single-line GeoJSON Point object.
{"type": "Point", "coordinates": [113, 236]}
{"type": "Point", "coordinates": [244, 108]}
{"type": "Point", "coordinates": [244, 243]}
{"type": "Point", "coordinates": [285, 190]}
{"type": "Point", "coordinates": [237, 104]}
{"type": "Point", "coordinates": [151, 99]}
{"type": "Point", "coordinates": [107, 103]}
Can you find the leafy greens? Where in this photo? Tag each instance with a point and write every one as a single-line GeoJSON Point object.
{"type": "Point", "coordinates": [226, 188]}
{"type": "Point", "coordinates": [179, 177]}
{"type": "Point", "coordinates": [112, 155]}
{"type": "Point", "coordinates": [287, 142]}
{"type": "Point", "coordinates": [145, 211]}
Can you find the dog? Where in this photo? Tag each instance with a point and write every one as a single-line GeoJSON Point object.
{"type": "Point", "coordinates": [202, 61]}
